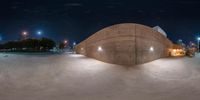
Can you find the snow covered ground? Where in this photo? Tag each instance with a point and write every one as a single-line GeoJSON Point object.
{"type": "Point", "coordinates": [75, 77]}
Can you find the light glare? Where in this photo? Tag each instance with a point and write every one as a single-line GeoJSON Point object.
{"type": "Point", "coordinates": [151, 49]}
{"type": "Point", "coordinates": [198, 38]}
{"type": "Point", "coordinates": [74, 43]}
{"type": "Point", "coordinates": [25, 33]}
{"type": "Point", "coordinates": [65, 41]}
{"type": "Point", "coordinates": [100, 48]}
{"type": "Point", "coordinates": [39, 33]}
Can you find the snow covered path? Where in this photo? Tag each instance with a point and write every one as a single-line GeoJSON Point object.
{"type": "Point", "coordinates": [75, 77]}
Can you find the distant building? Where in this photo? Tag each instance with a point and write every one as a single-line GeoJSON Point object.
{"type": "Point", "coordinates": [177, 51]}
{"type": "Point", "coordinates": [160, 30]}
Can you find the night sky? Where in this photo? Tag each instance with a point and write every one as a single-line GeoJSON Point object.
{"type": "Point", "coordinates": [78, 19]}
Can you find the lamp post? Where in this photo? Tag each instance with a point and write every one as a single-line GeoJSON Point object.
{"type": "Point", "coordinates": [24, 34]}
{"type": "Point", "coordinates": [65, 43]}
{"type": "Point", "coordinates": [198, 40]}
{"type": "Point", "coordinates": [0, 38]}
{"type": "Point", "coordinates": [39, 33]}
{"type": "Point", "coordinates": [74, 44]}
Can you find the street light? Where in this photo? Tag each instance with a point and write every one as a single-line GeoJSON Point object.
{"type": "Point", "coordinates": [198, 39]}
{"type": "Point", "coordinates": [65, 41]}
{"type": "Point", "coordinates": [74, 43]}
{"type": "Point", "coordinates": [24, 34]}
{"type": "Point", "coordinates": [39, 33]}
{"type": "Point", "coordinates": [0, 38]}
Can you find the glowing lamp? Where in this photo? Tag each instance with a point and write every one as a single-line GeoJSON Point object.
{"type": "Point", "coordinates": [24, 33]}
{"type": "Point", "coordinates": [39, 33]}
{"type": "Point", "coordinates": [151, 49]}
{"type": "Point", "coordinates": [74, 43]}
{"type": "Point", "coordinates": [100, 48]}
{"type": "Point", "coordinates": [65, 42]}
{"type": "Point", "coordinates": [198, 38]}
